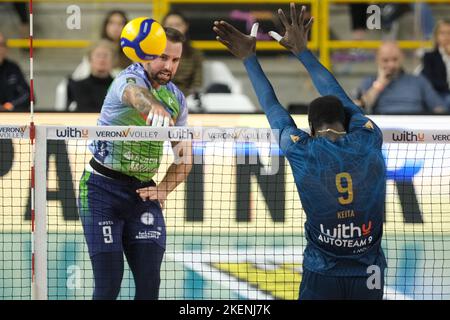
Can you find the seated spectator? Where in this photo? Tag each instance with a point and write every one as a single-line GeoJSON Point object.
{"type": "Point", "coordinates": [87, 95]}
{"type": "Point", "coordinates": [393, 91]}
{"type": "Point", "coordinates": [112, 28]}
{"type": "Point", "coordinates": [391, 12]}
{"type": "Point", "coordinates": [14, 90]}
{"type": "Point", "coordinates": [190, 70]}
{"type": "Point", "coordinates": [436, 64]}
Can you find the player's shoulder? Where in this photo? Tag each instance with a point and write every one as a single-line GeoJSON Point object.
{"type": "Point", "coordinates": [364, 128]}
{"type": "Point", "coordinates": [293, 136]}
{"type": "Point", "coordinates": [359, 120]}
{"type": "Point", "coordinates": [172, 87]}
{"type": "Point", "coordinates": [133, 71]}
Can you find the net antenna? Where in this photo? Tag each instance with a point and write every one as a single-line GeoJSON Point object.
{"type": "Point", "coordinates": [38, 192]}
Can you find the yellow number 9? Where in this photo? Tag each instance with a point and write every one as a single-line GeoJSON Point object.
{"type": "Point", "coordinates": [348, 189]}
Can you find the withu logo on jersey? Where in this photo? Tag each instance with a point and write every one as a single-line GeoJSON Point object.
{"type": "Point", "coordinates": [347, 236]}
{"type": "Point", "coordinates": [346, 232]}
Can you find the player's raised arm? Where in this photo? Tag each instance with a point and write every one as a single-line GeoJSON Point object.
{"type": "Point", "coordinates": [244, 47]}
{"type": "Point", "coordinates": [295, 39]}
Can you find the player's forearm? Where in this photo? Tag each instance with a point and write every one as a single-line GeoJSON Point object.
{"type": "Point", "coordinates": [278, 117]}
{"type": "Point", "coordinates": [325, 82]}
{"type": "Point", "coordinates": [175, 175]}
{"type": "Point", "coordinates": [138, 98]}
{"type": "Point", "coordinates": [180, 169]}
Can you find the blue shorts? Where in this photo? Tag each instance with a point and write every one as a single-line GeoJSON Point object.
{"type": "Point", "coordinates": [315, 286]}
{"type": "Point", "coordinates": [113, 214]}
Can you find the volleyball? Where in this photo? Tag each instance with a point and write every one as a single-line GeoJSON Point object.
{"type": "Point", "coordinates": [143, 39]}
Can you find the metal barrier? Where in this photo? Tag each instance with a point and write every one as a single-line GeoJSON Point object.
{"type": "Point", "coordinates": [320, 36]}
{"type": "Point", "coordinates": [160, 8]}
{"type": "Point", "coordinates": [326, 44]}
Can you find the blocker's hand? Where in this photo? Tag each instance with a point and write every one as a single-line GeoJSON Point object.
{"type": "Point", "coordinates": [239, 44]}
{"type": "Point", "coordinates": [295, 37]}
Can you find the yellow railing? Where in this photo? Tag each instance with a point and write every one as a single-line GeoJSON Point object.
{"type": "Point", "coordinates": [160, 8]}
{"type": "Point", "coordinates": [326, 44]}
{"type": "Point", "coordinates": [320, 36]}
{"type": "Point", "coordinates": [164, 6]}
{"type": "Point", "coordinates": [80, 1]}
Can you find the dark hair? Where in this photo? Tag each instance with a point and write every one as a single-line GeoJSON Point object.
{"type": "Point", "coordinates": [187, 48]}
{"type": "Point", "coordinates": [327, 109]}
{"type": "Point", "coordinates": [175, 13]}
{"type": "Point", "coordinates": [173, 35]}
{"type": "Point", "coordinates": [104, 35]}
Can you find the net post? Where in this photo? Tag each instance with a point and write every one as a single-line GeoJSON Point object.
{"type": "Point", "coordinates": [39, 289]}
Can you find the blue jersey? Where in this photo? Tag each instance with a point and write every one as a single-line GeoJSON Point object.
{"type": "Point", "coordinates": [341, 183]}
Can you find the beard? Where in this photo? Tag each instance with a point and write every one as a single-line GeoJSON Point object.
{"type": "Point", "coordinates": [162, 77]}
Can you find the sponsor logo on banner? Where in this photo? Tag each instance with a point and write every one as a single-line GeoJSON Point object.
{"type": "Point", "coordinates": [137, 134]}
{"type": "Point", "coordinates": [12, 132]}
{"type": "Point", "coordinates": [144, 134]}
{"type": "Point", "coordinates": [441, 137]}
{"type": "Point", "coordinates": [237, 134]}
{"type": "Point", "coordinates": [408, 136]}
{"type": "Point", "coordinates": [70, 132]}
{"type": "Point", "coordinates": [112, 133]}
{"type": "Point", "coordinates": [184, 134]}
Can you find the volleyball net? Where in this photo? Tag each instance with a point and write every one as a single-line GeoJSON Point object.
{"type": "Point", "coordinates": [234, 226]}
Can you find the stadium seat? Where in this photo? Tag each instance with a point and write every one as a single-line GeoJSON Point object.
{"type": "Point", "coordinates": [221, 92]}
{"type": "Point", "coordinates": [217, 72]}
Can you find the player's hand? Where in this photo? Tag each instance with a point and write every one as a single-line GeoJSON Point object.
{"type": "Point", "coordinates": [295, 37]}
{"type": "Point", "coordinates": [153, 194]}
{"type": "Point", "coordinates": [159, 117]}
{"type": "Point", "coordinates": [239, 44]}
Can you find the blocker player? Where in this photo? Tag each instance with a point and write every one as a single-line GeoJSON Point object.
{"type": "Point", "coordinates": [339, 170]}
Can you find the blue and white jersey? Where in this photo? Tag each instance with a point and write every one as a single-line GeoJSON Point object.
{"type": "Point", "coordinates": [140, 159]}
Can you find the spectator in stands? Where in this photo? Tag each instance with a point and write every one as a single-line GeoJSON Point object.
{"type": "Point", "coordinates": [393, 91]}
{"type": "Point", "coordinates": [189, 77]}
{"type": "Point", "coordinates": [22, 11]}
{"type": "Point", "coordinates": [14, 90]}
{"type": "Point", "coordinates": [391, 12]}
{"type": "Point", "coordinates": [113, 24]}
{"type": "Point", "coordinates": [436, 64]}
{"type": "Point", "coordinates": [87, 95]}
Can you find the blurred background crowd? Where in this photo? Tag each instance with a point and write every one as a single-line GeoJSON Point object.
{"type": "Point", "coordinates": [73, 68]}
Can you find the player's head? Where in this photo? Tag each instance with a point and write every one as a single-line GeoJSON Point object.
{"type": "Point", "coordinates": [442, 34]}
{"type": "Point", "coordinates": [3, 48]}
{"type": "Point", "coordinates": [390, 58]}
{"type": "Point", "coordinates": [163, 68]}
{"type": "Point", "coordinates": [326, 111]}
